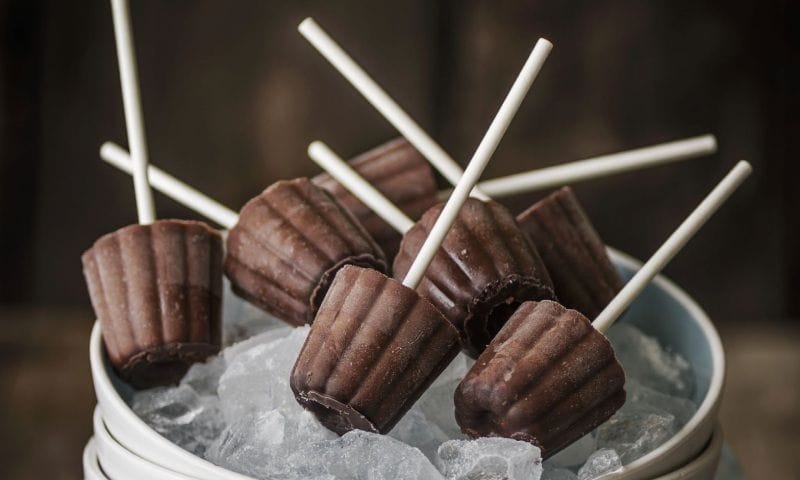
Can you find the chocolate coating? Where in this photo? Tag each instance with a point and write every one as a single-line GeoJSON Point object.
{"type": "Point", "coordinates": [398, 171]}
{"type": "Point", "coordinates": [288, 245]}
{"type": "Point", "coordinates": [483, 270]}
{"type": "Point", "coordinates": [547, 378]}
{"type": "Point", "coordinates": [157, 290]}
{"type": "Point", "coordinates": [373, 349]}
{"type": "Point", "coordinates": [575, 256]}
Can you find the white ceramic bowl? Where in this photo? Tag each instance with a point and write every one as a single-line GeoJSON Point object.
{"type": "Point", "coordinates": [91, 469]}
{"type": "Point", "coordinates": [121, 464]}
{"type": "Point", "coordinates": [663, 310]}
{"type": "Point", "coordinates": [705, 465]}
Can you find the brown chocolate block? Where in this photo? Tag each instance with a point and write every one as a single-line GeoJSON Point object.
{"type": "Point", "coordinates": [398, 171]}
{"type": "Point", "coordinates": [288, 245]}
{"type": "Point", "coordinates": [157, 291]}
{"type": "Point", "coordinates": [484, 269]}
{"type": "Point", "coordinates": [547, 378]}
{"type": "Point", "coordinates": [374, 348]}
{"type": "Point", "coordinates": [575, 256]}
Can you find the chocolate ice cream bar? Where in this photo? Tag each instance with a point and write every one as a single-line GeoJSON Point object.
{"type": "Point", "coordinates": [547, 378]}
{"type": "Point", "coordinates": [398, 171]}
{"type": "Point", "coordinates": [157, 290]}
{"type": "Point", "coordinates": [572, 251]}
{"type": "Point", "coordinates": [373, 349]}
{"type": "Point", "coordinates": [484, 269]}
{"type": "Point", "coordinates": [288, 245]}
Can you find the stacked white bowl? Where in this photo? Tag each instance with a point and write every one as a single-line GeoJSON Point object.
{"type": "Point", "coordinates": [124, 447]}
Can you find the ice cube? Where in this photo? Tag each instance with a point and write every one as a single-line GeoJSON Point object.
{"type": "Point", "coordinates": [257, 378]}
{"type": "Point", "coordinates": [489, 459]}
{"type": "Point", "coordinates": [642, 397]}
{"type": "Point", "coordinates": [633, 433]}
{"type": "Point", "coordinates": [414, 429]}
{"type": "Point", "coordinates": [187, 419]}
{"type": "Point", "coordinates": [576, 453]}
{"type": "Point", "coordinates": [553, 473]}
{"type": "Point", "coordinates": [203, 378]}
{"type": "Point", "coordinates": [601, 462]}
{"type": "Point", "coordinates": [241, 320]}
{"type": "Point", "coordinates": [647, 362]}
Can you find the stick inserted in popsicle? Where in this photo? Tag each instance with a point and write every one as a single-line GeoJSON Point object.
{"type": "Point", "coordinates": [673, 245]}
{"type": "Point", "coordinates": [129, 80]}
{"type": "Point", "coordinates": [516, 390]}
{"type": "Point", "coordinates": [431, 150]}
{"type": "Point", "coordinates": [600, 166]}
{"type": "Point", "coordinates": [172, 187]}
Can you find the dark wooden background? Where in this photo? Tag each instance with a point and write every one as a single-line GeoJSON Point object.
{"type": "Point", "coordinates": [232, 96]}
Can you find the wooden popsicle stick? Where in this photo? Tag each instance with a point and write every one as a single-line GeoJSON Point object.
{"type": "Point", "coordinates": [359, 187]}
{"type": "Point", "coordinates": [173, 188]}
{"type": "Point", "coordinates": [375, 95]}
{"type": "Point", "coordinates": [131, 99]}
{"type": "Point", "coordinates": [477, 164]}
{"type": "Point", "coordinates": [672, 246]}
{"type": "Point", "coordinates": [599, 166]}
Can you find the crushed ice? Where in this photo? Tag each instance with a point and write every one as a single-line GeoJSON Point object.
{"type": "Point", "coordinates": [238, 411]}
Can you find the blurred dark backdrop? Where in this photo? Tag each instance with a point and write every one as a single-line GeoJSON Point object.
{"type": "Point", "coordinates": [232, 96]}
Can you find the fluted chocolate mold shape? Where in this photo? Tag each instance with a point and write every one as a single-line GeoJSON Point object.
{"type": "Point", "coordinates": [398, 171]}
{"type": "Point", "coordinates": [288, 245]}
{"type": "Point", "coordinates": [373, 349]}
{"type": "Point", "coordinates": [157, 291]}
{"type": "Point", "coordinates": [574, 254]}
{"type": "Point", "coordinates": [547, 378]}
{"type": "Point", "coordinates": [484, 269]}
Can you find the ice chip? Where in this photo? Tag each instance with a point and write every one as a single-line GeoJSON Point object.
{"type": "Point", "coordinates": [575, 454]}
{"type": "Point", "coordinates": [416, 430]}
{"type": "Point", "coordinates": [489, 459]}
{"type": "Point", "coordinates": [632, 433]}
{"type": "Point", "coordinates": [203, 378]}
{"type": "Point", "coordinates": [437, 402]}
{"type": "Point", "coordinates": [642, 397]}
{"type": "Point", "coordinates": [647, 362]}
{"type": "Point", "coordinates": [187, 419]}
{"type": "Point", "coordinates": [599, 463]}
{"type": "Point", "coordinates": [257, 378]}
{"type": "Point", "coordinates": [553, 473]}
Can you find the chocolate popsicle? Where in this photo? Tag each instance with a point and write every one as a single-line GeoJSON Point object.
{"type": "Point", "coordinates": [547, 378]}
{"type": "Point", "coordinates": [575, 256]}
{"type": "Point", "coordinates": [484, 269]}
{"type": "Point", "coordinates": [156, 290]}
{"type": "Point", "coordinates": [398, 171]}
{"type": "Point", "coordinates": [374, 348]}
{"type": "Point", "coordinates": [289, 243]}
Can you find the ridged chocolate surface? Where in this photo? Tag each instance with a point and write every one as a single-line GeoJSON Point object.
{"type": "Point", "coordinates": [483, 270]}
{"type": "Point", "coordinates": [157, 290]}
{"type": "Point", "coordinates": [373, 349]}
{"type": "Point", "coordinates": [573, 252]}
{"type": "Point", "coordinates": [289, 242]}
{"type": "Point", "coordinates": [547, 378]}
{"type": "Point", "coordinates": [398, 171]}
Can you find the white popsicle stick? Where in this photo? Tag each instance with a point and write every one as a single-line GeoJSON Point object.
{"type": "Point", "coordinates": [173, 188]}
{"type": "Point", "coordinates": [435, 154]}
{"type": "Point", "coordinates": [600, 166]}
{"type": "Point", "coordinates": [129, 79]}
{"type": "Point", "coordinates": [673, 245]}
{"type": "Point", "coordinates": [477, 164]}
{"type": "Point", "coordinates": [359, 187]}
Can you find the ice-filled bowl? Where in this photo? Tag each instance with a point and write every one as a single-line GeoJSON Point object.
{"type": "Point", "coordinates": [663, 311]}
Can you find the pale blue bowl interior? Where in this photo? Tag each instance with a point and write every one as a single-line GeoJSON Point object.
{"type": "Point", "coordinates": [661, 315]}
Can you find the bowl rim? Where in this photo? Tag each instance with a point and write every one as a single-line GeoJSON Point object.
{"type": "Point", "coordinates": [109, 397]}
{"type": "Point", "coordinates": [104, 438]}
{"type": "Point", "coordinates": [711, 453]}
{"type": "Point", "coordinates": [91, 466]}
{"type": "Point", "coordinates": [105, 388]}
{"type": "Point", "coordinates": [711, 400]}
